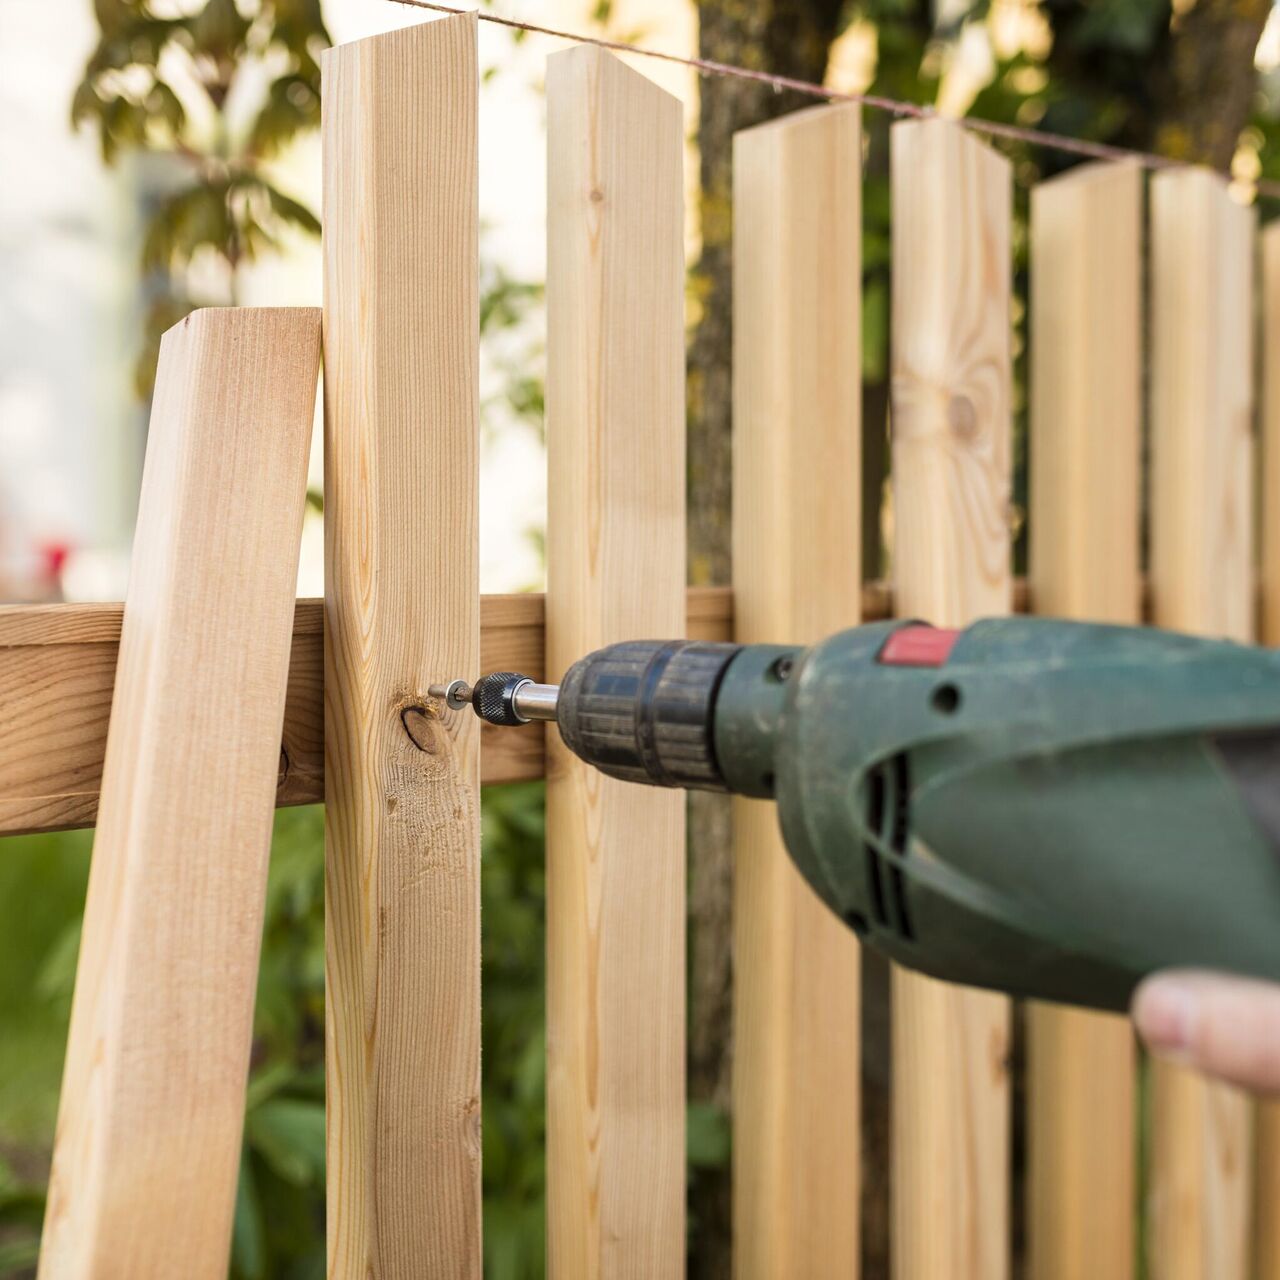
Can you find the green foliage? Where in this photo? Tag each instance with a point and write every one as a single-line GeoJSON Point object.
{"type": "Point", "coordinates": [171, 86]}
{"type": "Point", "coordinates": [513, 915]}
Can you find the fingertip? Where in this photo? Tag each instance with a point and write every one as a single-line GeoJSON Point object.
{"type": "Point", "coordinates": [1164, 1012]}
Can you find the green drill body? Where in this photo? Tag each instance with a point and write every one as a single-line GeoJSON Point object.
{"type": "Point", "coordinates": [1046, 808]}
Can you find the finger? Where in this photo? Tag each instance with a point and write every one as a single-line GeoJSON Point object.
{"type": "Point", "coordinates": [1226, 1026]}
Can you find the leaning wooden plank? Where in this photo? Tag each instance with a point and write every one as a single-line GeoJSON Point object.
{"type": "Point", "coordinates": [797, 389]}
{"type": "Point", "coordinates": [1086, 417]}
{"type": "Point", "coordinates": [148, 1140]}
{"type": "Point", "coordinates": [58, 662]}
{"type": "Point", "coordinates": [951, 558]}
{"type": "Point", "coordinates": [615, 571]}
{"type": "Point", "coordinates": [402, 610]}
{"type": "Point", "coordinates": [1201, 558]}
{"type": "Point", "coordinates": [1266, 1200]}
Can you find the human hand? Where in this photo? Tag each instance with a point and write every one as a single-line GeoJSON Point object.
{"type": "Point", "coordinates": [1225, 1026]}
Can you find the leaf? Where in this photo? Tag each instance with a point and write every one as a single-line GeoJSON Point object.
{"type": "Point", "coordinates": [293, 213]}
{"type": "Point", "coordinates": [166, 106]}
{"type": "Point", "coordinates": [248, 1243]}
{"type": "Point", "coordinates": [289, 1135]}
{"type": "Point", "coordinates": [708, 1136]}
{"type": "Point", "coordinates": [219, 29]}
{"type": "Point", "coordinates": [269, 1081]}
{"type": "Point", "coordinates": [56, 978]}
{"type": "Point", "coordinates": [194, 217]}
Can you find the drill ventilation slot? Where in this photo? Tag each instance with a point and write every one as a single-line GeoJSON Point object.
{"type": "Point", "coordinates": [888, 819]}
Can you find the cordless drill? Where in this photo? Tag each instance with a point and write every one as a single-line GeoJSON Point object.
{"type": "Point", "coordinates": [1047, 808]}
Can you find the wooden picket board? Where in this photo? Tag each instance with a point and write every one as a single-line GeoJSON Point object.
{"type": "Point", "coordinates": [1085, 457]}
{"type": "Point", "coordinates": [797, 414]}
{"type": "Point", "coordinates": [1266, 1201]}
{"type": "Point", "coordinates": [402, 611]}
{"type": "Point", "coordinates": [951, 563]}
{"type": "Point", "coordinates": [615, 571]}
{"type": "Point", "coordinates": [147, 1150]}
{"type": "Point", "coordinates": [1201, 569]}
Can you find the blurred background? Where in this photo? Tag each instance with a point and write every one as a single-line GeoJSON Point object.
{"type": "Point", "coordinates": [158, 156]}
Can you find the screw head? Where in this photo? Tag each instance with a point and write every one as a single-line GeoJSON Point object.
{"type": "Point", "coordinates": [457, 694]}
{"type": "Point", "coordinates": [782, 667]}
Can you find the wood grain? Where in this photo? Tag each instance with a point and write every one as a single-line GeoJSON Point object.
{"type": "Point", "coordinates": [58, 662]}
{"type": "Point", "coordinates": [615, 571]}
{"type": "Point", "coordinates": [1266, 1200]}
{"type": "Point", "coordinates": [1201, 558]}
{"type": "Point", "coordinates": [797, 409]}
{"type": "Point", "coordinates": [1086, 420]}
{"type": "Point", "coordinates": [402, 610]}
{"type": "Point", "coordinates": [147, 1150]}
{"type": "Point", "coordinates": [951, 564]}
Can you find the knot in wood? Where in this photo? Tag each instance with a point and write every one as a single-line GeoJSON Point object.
{"type": "Point", "coordinates": [963, 417]}
{"type": "Point", "coordinates": [422, 727]}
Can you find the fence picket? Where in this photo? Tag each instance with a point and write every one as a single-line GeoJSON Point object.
{"type": "Point", "coordinates": [796, 511]}
{"type": "Point", "coordinates": [1266, 1263]}
{"type": "Point", "coordinates": [152, 1107]}
{"type": "Point", "coordinates": [615, 571]}
{"type": "Point", "coordinates": [1202, 581]}
{"type": "Point", "coordinates": [402, 610]}
{"type": "Point", "coordinates": [1086, 420]}
{"type": "Point", "coordinates": [951, 563]}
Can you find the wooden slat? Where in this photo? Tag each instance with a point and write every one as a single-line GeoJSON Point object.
{"type": "Point", "coordinates": [1201, 556]}
{"type": "Point", "coordinates": [1086, 418]}
{"type": "Point", "coordinates": [402, 610]}
{"type": "Point", "coordinates": [1266, 1200]}
{"type": "Point", "coordinates": [951, 559]}
{"type": "Point", "coordinates": [148, 1139]}
{"type": "Point", "coordinates": [797, 389]}
{"type": "Point", "coordinates": [615, 570]}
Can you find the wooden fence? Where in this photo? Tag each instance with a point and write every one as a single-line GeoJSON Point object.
{"type": "Point", "coordinates": [400, 776]}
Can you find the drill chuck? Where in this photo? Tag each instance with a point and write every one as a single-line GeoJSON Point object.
{"type": "Point", "coordinates": [642, 711]}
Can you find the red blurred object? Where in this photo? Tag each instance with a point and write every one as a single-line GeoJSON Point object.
{"type": "Point", "coordinates": [53, 555]}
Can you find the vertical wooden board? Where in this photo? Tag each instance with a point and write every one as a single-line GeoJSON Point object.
{"type": "Point", "coordinates": [1266, 1198]}
{"type": "Point", "coordinates": [615, 571]}
{"type": "Point", "coordinates": [796, 452]}
{"type": "Point", "coordinates": [1086, 420]}
{"type": "Point", "coordinates": [402, 610]}
{"type": "Point", "coordinates": [951, 564]}
{"type": "Point", "coordinates": [148, 1140]}
{"type": "Point", "coordinates": [1201, 574]}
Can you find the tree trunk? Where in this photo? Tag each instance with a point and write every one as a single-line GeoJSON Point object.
{"type": "Point", "coordinates": [1210, 85]}
{"type": "Point", "coordinates": [793, 38]}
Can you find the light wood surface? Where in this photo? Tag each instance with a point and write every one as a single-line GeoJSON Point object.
{"type": "Point", "coordinates": [615, 571]}
{"type": "Point", "coordinates": [402, 610]}
{"type": "Point", "coordinates": [796, 452]}
{"type": "Point", "coordinates": [1086, 420]}
{"type": "Point", "coordinates": [147, 1150]}
{"type": "Point", "coordinates": [1201, 557]}
{"type": "Point", "coordinates": [1266, 1198]}
{"type": "Point", "coordinates": [951, 557]}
